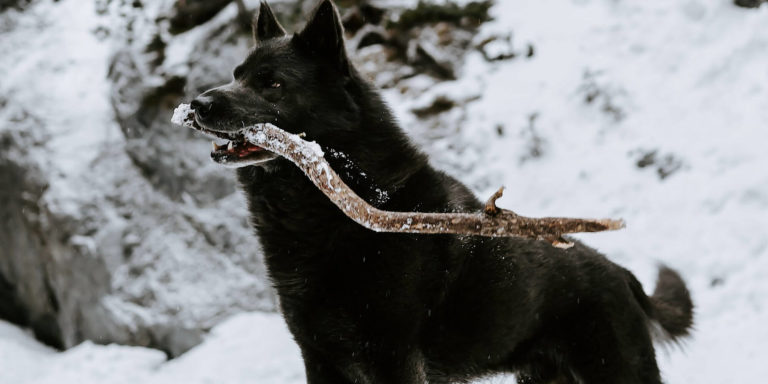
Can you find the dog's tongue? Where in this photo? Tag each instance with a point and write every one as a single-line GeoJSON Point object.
{"type": "Point", "coordinates": [238, 148]}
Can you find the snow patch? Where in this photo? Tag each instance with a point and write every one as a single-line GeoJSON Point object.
{"type": "Point", "coordinates": [181, 114]}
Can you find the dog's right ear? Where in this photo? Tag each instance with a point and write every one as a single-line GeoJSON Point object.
{"type": "Point", "coordinates": [265, 25]}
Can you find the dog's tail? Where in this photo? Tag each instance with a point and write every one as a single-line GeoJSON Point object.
{"type": "Point", "coordinates": [670, 305]}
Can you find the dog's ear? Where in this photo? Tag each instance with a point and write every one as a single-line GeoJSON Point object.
{"type": "Point", "coordinates": [265, 25]}
{"type": "Point", "coordinates": [323, 36]}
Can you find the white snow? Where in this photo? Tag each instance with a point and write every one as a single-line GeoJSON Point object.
{"type": "Point", "coordinates": [181, 113]}
{"type": "Point", "coordinates": [260, 137]}
{"type": "Point", "coordinates": [232, 354]}
{"type": "Point", "coordinates": [65, 86]}
{"type": "Point", "coordinates": [690, 79]}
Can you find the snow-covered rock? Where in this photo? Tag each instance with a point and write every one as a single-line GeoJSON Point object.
{"type": "Point", "coordinates": [118, 227]}
{"type": "Point", "coordinates": [111, 232]}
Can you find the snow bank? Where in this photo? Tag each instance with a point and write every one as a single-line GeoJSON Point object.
{"type": "Point", "coordinates": [254, 347]}
{"type": "Point", "coordinates": [565, 130]}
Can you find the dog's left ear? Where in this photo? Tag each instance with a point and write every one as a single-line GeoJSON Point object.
{"type": "Point", "coordinates": [323, 36]}
{"type": "Point", "coordinates": [265, 25]}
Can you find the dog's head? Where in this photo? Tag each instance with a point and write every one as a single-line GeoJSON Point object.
{"type": "Point", "coordinates": [297, 83]}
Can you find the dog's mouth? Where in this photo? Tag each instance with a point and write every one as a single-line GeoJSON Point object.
{"type": "Point", "coordinates": [231, 149]}
{"type": "Point", "coordinates": [235, 147]}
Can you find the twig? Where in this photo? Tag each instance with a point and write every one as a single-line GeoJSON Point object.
{"type": "Point", "coordinates": [492, 222]}
{"type": "Point", "coordinates": [490, 205]}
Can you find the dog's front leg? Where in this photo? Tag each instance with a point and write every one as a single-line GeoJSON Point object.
{"type": "Point", "coordinates": [320, 370]}
{"type": "Point", "coordinates": [398, 365]}
{"type": "Point", "coordinates": [388, 366]}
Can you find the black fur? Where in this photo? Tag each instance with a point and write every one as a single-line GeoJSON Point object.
{"type": "Point", "coordinates": [369, 307]}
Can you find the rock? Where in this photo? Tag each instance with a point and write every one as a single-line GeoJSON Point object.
{"type": "Point", "coordinates": [431, 38]}
{"type": "Point", "coordinates": [15, 4]}
{"type": "Point", "coordinates": [370, 35]}
{"type": "Point", "coordinates": [439, 105]}
{"type": "Point", "coordinates": [147, 90]}
{"type": "Point", "coordinates": [121, 264]}
{"type": "Point", "coordinates": [191, 13]}
{"type": "Point", "coordinates": [361, 15]}
{"type": "Point", "coordinates": [498, 48]}
{"type": "Point", "coordinates": [749, 3]}
{"type": "Point", "coordinates": [609, 98]}
{"type": "Point", "coordinates": [469, 15]}
{"type": "Point", "coordinates": [26, 294]}
{"type": "Point", "coordinates": [135, 238]}
{"type": "Point", "coordinates": [665, 165]}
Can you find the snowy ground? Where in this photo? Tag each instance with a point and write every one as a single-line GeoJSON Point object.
{"type": "Point", "coordinates": [687, 78]}
{"type": "Point", "coordinates": [255, 348]}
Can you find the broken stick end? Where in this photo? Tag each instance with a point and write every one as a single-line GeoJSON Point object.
{"type": "Point", "coordinates": [613, 225]}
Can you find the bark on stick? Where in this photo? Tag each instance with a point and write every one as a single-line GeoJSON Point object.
{"type": "Point", "coordinates": [492, 221]}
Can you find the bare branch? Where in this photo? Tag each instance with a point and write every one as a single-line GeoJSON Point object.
{"type": "Point", "coordinates": [492, 222]}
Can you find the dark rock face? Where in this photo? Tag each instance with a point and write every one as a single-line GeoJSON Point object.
{"type": "Point", "coordinates": [26, 294]}
{"type": "Point", "coordinates": [191, 13]}
{"type": "Point", "coordinates": [41, 258]}
{"type": "Point", "coordinates": [15, 4]}
{"type": "Point", "coordinates": [749, 3]}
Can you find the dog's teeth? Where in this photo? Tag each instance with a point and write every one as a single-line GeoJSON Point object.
{"type": "Point", "coordinates": [215, 147]}
{"type": "Point", "coordinates": [230, 146]}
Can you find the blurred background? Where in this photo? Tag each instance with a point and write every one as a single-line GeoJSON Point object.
{"type": "Point", "coordinates": [126, 255]}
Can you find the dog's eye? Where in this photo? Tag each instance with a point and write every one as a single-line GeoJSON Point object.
{"type": "Point", "coordinates": [275, 84]}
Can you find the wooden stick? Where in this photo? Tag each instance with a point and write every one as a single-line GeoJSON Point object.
{"type": "Point", "coordinates": [492, 222]}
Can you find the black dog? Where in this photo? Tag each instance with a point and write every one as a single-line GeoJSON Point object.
{"type": "Point", "coordinates": [370, 307]}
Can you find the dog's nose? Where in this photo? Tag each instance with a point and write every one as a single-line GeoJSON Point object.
{"type": "Point", "coordinates": [202, 105]}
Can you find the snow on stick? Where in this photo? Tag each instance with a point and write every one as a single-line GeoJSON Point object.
{"type": "Point", "coordinates": [492, 221]}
